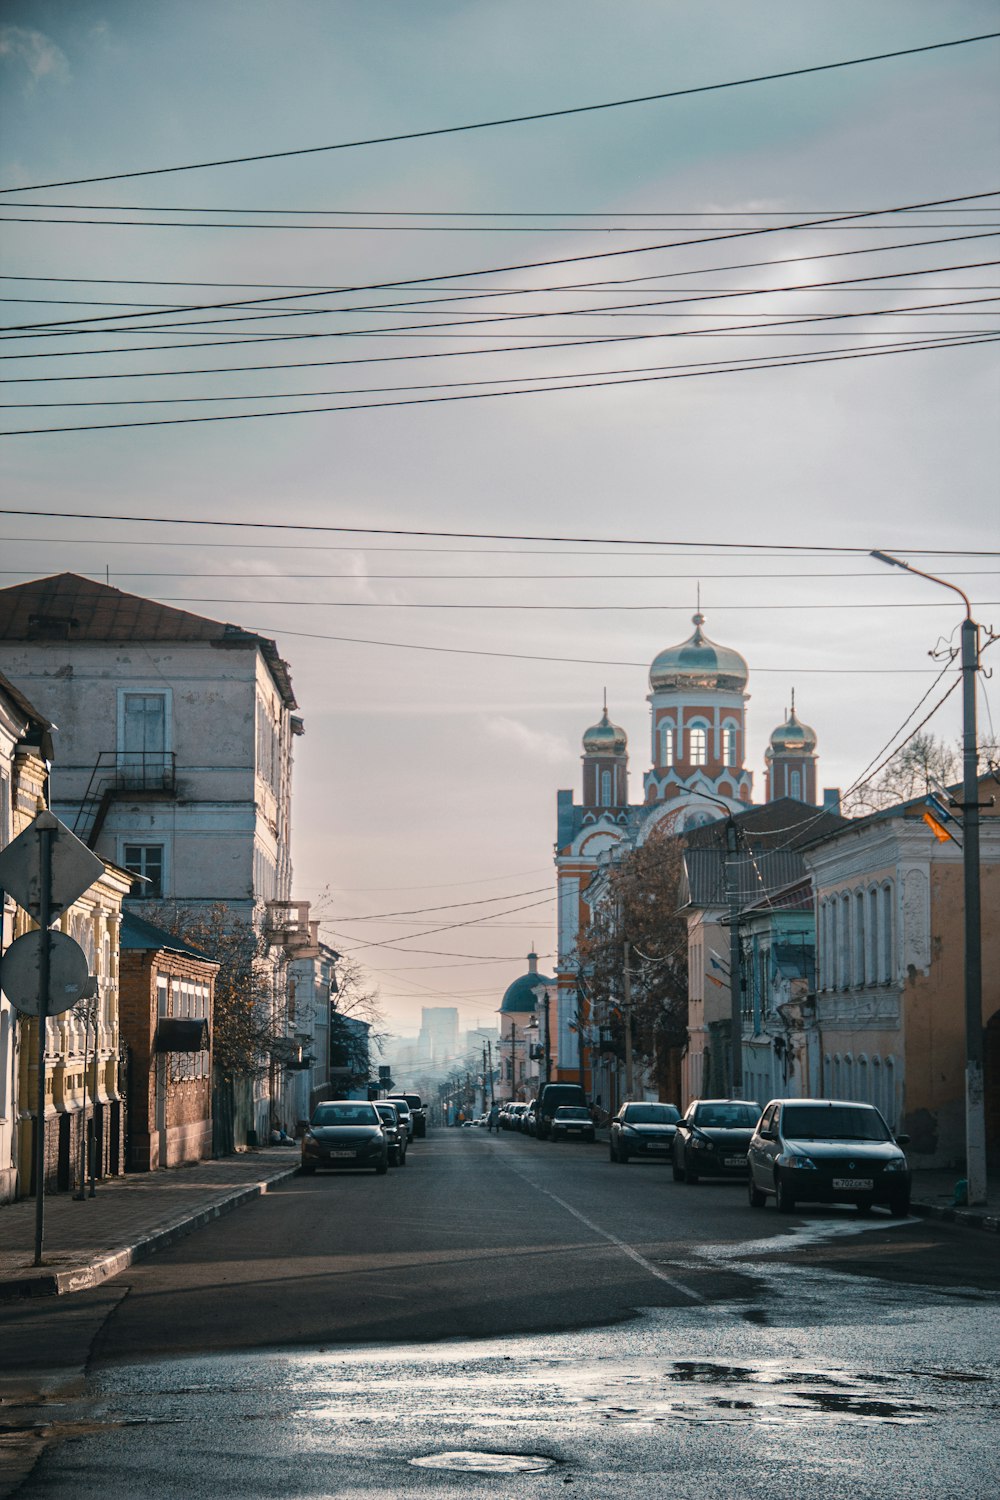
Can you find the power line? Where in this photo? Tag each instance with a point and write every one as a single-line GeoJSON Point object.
{"type": "Point", "coordinates": [469, 213]}
{"type": "Point", "coordinates": [569, 608]}
{"type": "Point", "coordinates": [778, 548]}
{"type": "Point", "coordinates": [603, 577]}
{"type": "Point", "coordinates": [549, 114]}
{"type": "Point", "coordinates": [498, 395]}
{"type": "Point", "coordinates": [480, 229]}
{"type": "Point", "coordinates": [414, 911]}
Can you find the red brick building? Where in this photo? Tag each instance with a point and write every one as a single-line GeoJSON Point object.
{"type": "Point", "coordinates": [167, 994]}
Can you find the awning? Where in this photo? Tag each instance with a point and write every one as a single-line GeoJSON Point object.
{"type": "Point", "coordinates": [175, 1035]}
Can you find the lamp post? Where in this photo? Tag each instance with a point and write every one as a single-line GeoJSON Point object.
{"type": "Point", "coordinates": [975, 1114]}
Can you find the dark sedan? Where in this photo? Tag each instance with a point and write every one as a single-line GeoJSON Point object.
{"type": "Point", "coordinates": [713, 1138]}
{"type": "Point", "coordinates": [828, 1151]}
{"type": "Point", "coordinates": [643, 1130]}
{"type": "Point", "coordinates": [345, 1133]}
{"type": "Point", "coordinates": [396, 1137]}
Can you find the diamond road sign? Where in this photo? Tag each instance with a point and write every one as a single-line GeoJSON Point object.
{"type": "Point", "coordinates": [75, 868]}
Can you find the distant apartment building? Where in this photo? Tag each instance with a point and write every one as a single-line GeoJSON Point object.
{"type": "Point", "coordinates": [438, 1039]}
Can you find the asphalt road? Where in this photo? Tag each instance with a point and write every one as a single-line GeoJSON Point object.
{"type": "Point", "coordinates": [504, 1296]}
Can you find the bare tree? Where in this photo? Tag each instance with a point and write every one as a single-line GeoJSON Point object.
{"type": "Point", "coordinates": [923, 763]}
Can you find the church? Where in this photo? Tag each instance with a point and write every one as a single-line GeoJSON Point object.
{"type": "Point", "coordinates": [698, 699]}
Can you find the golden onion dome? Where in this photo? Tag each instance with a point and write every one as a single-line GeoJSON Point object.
{"type": "Point", "coordinates": [699, 663]}
{"type": "Point", "coordinates": [793, 737]}
{"type": "Point", "coordinates": [605, 738]}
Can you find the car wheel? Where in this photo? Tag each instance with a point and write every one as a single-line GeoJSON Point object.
{"type": "Point", "coordinates": [308, 1169]}
{"type": "Point", "coordinates": [757, 1198]}
{"type": "Point", "coordinates": [784, 1198]}
{"type": "Point", "coordinates": [899, 1206]}
{"type": "Point", "coordinates": [381, 1169]}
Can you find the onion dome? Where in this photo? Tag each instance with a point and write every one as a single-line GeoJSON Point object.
{"type": "Point", "coordinates": [520, 996]}
{"type": "Point", "coordinates": [793, 737]}
{"type": "Point", "coordinates": [605, 738]}
{"type": "Point", "coordinates": [699, 663]}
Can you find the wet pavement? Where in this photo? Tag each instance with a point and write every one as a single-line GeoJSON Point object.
{"type": "Point", "coordinates": [741, 1353]}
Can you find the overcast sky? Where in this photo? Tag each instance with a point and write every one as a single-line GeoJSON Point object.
{"type": "Point", "coordinates": [427, 778]}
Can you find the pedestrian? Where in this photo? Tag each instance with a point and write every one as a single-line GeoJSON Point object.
{"type": "Point", "coordinates": [493, 1123]}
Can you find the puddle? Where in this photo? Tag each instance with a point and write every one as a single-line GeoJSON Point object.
{"type": "Point", "coordinates": [486, 1463]}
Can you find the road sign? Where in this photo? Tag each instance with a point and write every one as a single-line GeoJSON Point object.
{"type": "Point", "coordinates": [69, 977]}
{"type": "Point", "coordinates": [384, 1073]}
{"type": "Point", "coordinates": [75, 868]}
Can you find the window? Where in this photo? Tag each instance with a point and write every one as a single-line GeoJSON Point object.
{"type": "Point", "coordinates": [605, 788]}
{"type": "Point", "coordinates": [698, 746]}
{"type": "Point", "coordinates": [729, 747]}
{"type": "Point", "coordinates": [872, 961]}
{"type": "Point", "coordinates": [667, 744]}
{"type": "Point", "coordinates": [796, 786]}
{"type": "Point", "coordinates": [162, 996]}
{"type": "Point", "coordinates": [859, 940]}
{"type": "Point", "coordinates": [886, 936]}
{"type": "Point", "coordinates": [144, 739]}
{"type": "Point", "coordinates": [146, 860]}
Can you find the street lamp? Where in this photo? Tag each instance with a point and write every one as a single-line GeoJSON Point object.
{"type": "Point", "coordinates": [975, 1114]}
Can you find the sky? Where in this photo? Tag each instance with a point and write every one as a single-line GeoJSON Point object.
{"type": "Point", "coordinates": [427, 777]}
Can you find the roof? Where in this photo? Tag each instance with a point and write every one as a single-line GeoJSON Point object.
{"type": "Point", "coordinates": [520, 996]}
{"type": "Point", "coordinates": [769, 858]}
{"type": "Point", "coordinates": [41, 727]}
{"type": "Point", "coordinates": [67, 607]}
{"type": "Point", "coordinates": [136, 934]}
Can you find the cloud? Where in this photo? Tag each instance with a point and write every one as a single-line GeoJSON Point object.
{"type": "Point", "coordinates": [35, 52]}
{"type": "Point", "coordinates": [538, 744]}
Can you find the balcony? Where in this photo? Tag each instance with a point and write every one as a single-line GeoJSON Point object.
{"type": "Point", "coordinates": [121, 773]}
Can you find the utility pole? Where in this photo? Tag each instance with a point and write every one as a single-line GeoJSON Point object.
{"type": "Point", "coordinates": [735, 963]}
{"type": "Point", "coordinates": [44, 919]}
{"type": "Point", "coordinates": [627, 985]}
{"type": "Point", "coordinates": [489, 1054]}
{"type": "Point", "coordinates": [975, 1111]}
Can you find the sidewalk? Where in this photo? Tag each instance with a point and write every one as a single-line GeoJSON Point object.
{"type": "Point", "coordinates": [129, 1218]}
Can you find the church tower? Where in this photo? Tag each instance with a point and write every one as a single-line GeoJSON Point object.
{"type": "Point", "coordinates": [698, 702]}
{"type": "Point", "coordinates": [605, 764]}
{"type": "Point", "coordinates": [791, 761]}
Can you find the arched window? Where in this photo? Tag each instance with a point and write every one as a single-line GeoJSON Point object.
{"type": "Point", "coordinates": [796, 787]}
{"type": "Point", "coordinates": [667, 745]}
{"type": "Point", "coordinates": [890, 1093]}
{"type": "Point", "coordinates": [864, 1083]}
{"type": "Point", "coordinates": [859, 940]}
{"type": "Point", "coordinates": [878, 1082]}
{"type": "Point", "coordinates": [844, 944]}
{"type": "Point", "coordinates": [729, 746]}
{"type": "Point", "coordinates": [698, 745]}
{"type": "Point", "coordinates": [605, 788]}
{"type": "Point", "coordinates": [838, 1076]}
{"type": "Point", "coordinates": [886, 935]}
{"type": "Point", "coordinates": [872, 962]}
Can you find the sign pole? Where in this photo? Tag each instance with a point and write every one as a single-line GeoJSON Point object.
{"type": "Point", "coordinates": [44, 918]}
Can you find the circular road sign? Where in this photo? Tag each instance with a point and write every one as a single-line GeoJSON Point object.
{"type": "Point", "coordinates": [20, 967]}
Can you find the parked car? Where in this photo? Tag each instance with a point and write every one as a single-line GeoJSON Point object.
{"type": "Point", "coordinates": [395, 1132]}
{"type": "Point", "coordinates": [517, 1116]}
{"type": "Point", "coordinates": [403, 1110]}
{"type": "Point", "coordinates": [529, 1120]}
{"type": "Point", "coordinates": [713, 1138]}
{"type": "Point", "coordinates": [641, 1129]}
{"type": "Point", "coordinates": [828, 1151]}
{"type": "Point", "coordinates": [571, 1122]}
{"type": "Point", "coordinates": [552, 1096]}
{"type": "Point", "coordinates": [417, 1110]}
{"type": "Point", "coordinates": [345, 1133]}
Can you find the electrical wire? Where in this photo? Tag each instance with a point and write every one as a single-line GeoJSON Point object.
{"type": "Point", "coordinates": [496, 395]}
{"type": "Point", "coordinates": [417, 910]}
{"type": "Point", "coordinates": [569, 608]}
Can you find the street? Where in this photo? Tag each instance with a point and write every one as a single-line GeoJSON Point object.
{"type": "Point", "coordinates": [602, 1327]}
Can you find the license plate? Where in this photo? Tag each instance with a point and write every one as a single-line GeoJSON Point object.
{"type": "Point", "coordinates": [344, 1154]}
{"type": "Point", "coordinates": [735, 1161]}
{"type": "Point", "coordinates": [858, 1184]}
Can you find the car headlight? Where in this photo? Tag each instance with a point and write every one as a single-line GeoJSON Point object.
{"type": "Point", "coordinates": [801, 1163]}
{"type": "Point", "coordinates": [898, 1164]}
{"type": "Point", "coordinates": [310, 1143]}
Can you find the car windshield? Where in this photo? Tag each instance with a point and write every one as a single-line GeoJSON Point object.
{"type": "Point", "coordinates": [346, 1114]}
{"type": "Point", "coordinates": [571, 1112]}
{"type": "Point", "coordinates": [726, 1116]}
{"type": "Point", "coordinates": [388, 1114]}
{"type": "Point", "coordinates": [833, 1122]}
{"type": "Point", "coordinates": [401, 1105]}
{"type": "Point", "coordinates": [650, 1114]}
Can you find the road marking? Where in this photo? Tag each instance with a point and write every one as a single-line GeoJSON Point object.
{"type": "Point", "coordinates": [619, 1244]}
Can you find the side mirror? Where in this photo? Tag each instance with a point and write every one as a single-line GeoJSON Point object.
{"type": "Point", "coordinates": [902, 1140]}
{"type": "Point", "coordinates": [767, 1135]}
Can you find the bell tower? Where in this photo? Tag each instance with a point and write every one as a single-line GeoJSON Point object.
{"type": "Point", "coordinates": [605, 764]}
{"type": "Point", "coordinates": [791, 761]}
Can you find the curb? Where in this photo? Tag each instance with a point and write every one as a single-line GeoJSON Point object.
{"type": "Point", "coordinates": [83, 1278]}
{"type": "Point", "coordinates": [966, 1218]}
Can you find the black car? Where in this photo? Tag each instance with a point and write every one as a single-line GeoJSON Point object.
{"type": "Point", "coordinates": [529, 1121]}
{"type": "Point", "coordinates": [396, 1137]}
{"type": "Point", "coordinates": [417, 1111]}
{"type": "Point", "coordinates": [713, 1138]}
{"type": "Point", "coordinates": [553, 1096]}
{"type": "Point", "coordinates": [571, 1122]}
{"type": "Point", "coordinates": [345, 1133]}
{"type": "Point", "coordinates": [828, 1151]}
{"type": "Point", "coordinates": [643, 1130]}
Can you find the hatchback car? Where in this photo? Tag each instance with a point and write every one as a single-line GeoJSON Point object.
{"type": "Point", "coordinates": [828, 1151]}
{"type": "Point", "coordinates": [643, 1130]}
{"type": "Point", "coordinates": [713, 1138]}
{"type": "Point", "coordinates": [571, 1122]}
{"type": "Point", "coordinates": [403, 1110]}
{"type": "Point", "coordinates": [345, 1133]}
{"type": "Point", "coordinates": [395, 1132]}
